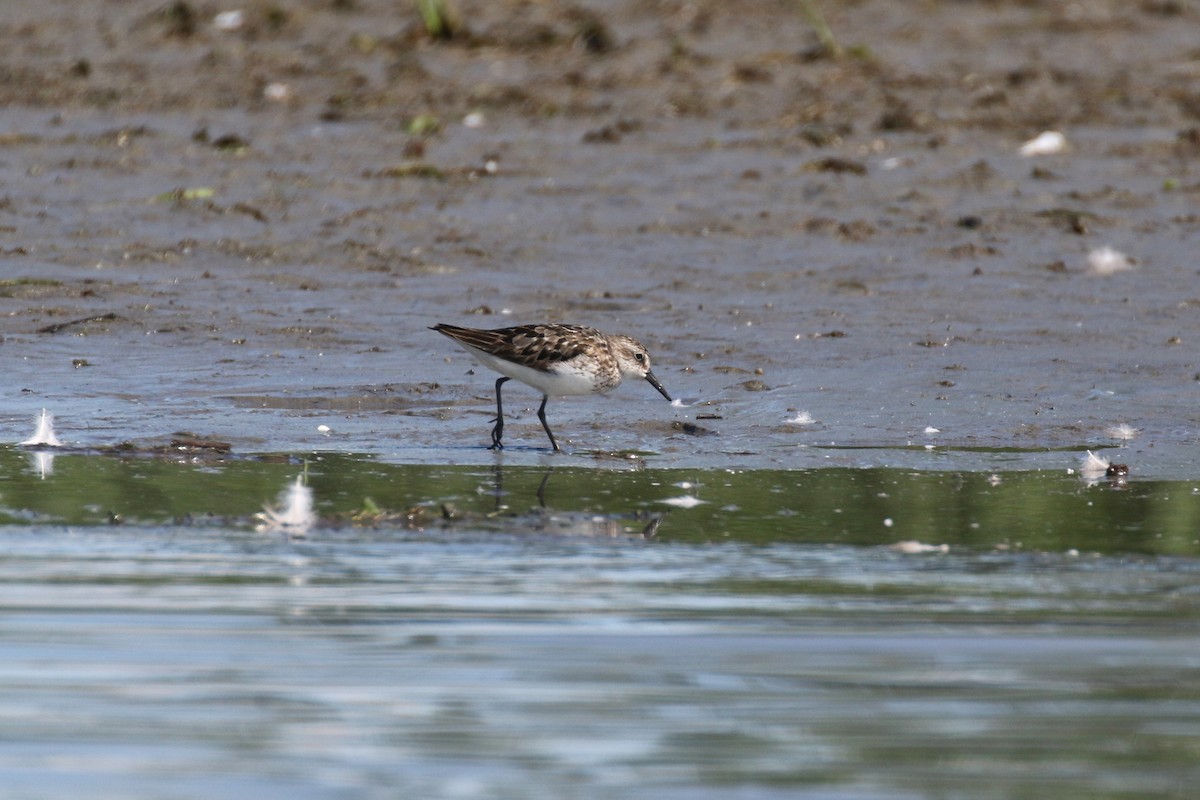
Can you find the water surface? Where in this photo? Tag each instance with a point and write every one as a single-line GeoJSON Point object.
{"type": "Point", "coordinates": [521, 632]}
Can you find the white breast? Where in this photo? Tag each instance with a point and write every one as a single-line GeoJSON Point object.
{"type": "Point", "coordinates": [566, 378]}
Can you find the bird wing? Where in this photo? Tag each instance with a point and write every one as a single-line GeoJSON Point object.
{"type": "Point", "coordinates": [535, 346]}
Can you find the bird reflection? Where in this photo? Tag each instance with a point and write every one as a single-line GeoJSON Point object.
{"type": "Point", "coordinates": [546, 519]}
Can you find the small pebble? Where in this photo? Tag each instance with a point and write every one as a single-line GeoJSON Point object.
{"type": "Point", "coordinates": [1045, 143]}
{"type": "Point", "coordinates": [277, 92]}
{"type": "Point", "coordinates": [229, 21]}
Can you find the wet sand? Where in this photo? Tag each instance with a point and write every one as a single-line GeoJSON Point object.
{"type": "Point", "coordinates": [855, 238]}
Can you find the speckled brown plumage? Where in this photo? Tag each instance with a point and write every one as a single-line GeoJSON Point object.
{"type": "Point", "coordinates": [555, 359]}
{"type": "Point", "coordinates": [535, 346]}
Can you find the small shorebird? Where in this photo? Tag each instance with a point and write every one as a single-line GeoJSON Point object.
{"type": "Point", "coordinates": [556, 360]}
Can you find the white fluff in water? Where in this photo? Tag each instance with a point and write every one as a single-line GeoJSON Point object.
{"type": "Point", "coordinates": [913, 547]}
{"type": "Point", "coordinates": [1092, 465]}
{"type": "Point", "coordinates": [44, 434]}
{"type": "Point", "coordinates": [1044, 144]}
{"type": "Point", "coordinates": [294, 514]}
{"type": "Point", "coordinates": [1107, 261]}
{"type": "Point", "coordinates": [684, 501]}
{"type": "Point", "coordinates": [802, 418]}
{"type": "Point", "coordinates": [1123, 432]}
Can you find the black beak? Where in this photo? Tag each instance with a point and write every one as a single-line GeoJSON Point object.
{"type": "Point", "coordinates": [654, 382]}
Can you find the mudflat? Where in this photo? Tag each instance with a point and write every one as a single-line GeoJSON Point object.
{"type": "Point", "coordinates": [241, 224]}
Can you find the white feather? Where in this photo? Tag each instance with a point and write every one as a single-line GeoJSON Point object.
{"type": "Point", "coordinates": [1093, 465]}
{"type": "Point", "coordinates": [684, 501]}
{"type": "Point", "coordinates": [1107, 261]}
{"type": "Point", "coordinates": [44, 433]}
{"type": "Point", "coordinates": [1045, 143]}
{"type": "Point", "coordinates": [1123, 432]}
{"type": "Point", "coordinates": [294, 513]}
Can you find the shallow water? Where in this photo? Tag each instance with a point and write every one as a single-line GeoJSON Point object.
{"type": "Point", "coordinates": [512, 631]}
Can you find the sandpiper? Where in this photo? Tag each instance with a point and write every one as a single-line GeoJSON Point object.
{"type": "Point", "coordinates": [557, 360]}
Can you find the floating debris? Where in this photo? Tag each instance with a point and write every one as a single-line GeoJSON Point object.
{"type": "Point", "coordinates": [62, 326]}
{"type": "Point", "coordinates": [179, 195]}
{"type": "Point", "coordinates": [1044, 144]}
{"type": "Point", "coordinates": [801, 418]}
{"type": "Point", "coordinates": [837, 165]}
{"type": "Point", "coordinates": [43, 434]}
{"type": "Point", "coordinates": [1107, 261]}
{"type": "Point", "coordinates": [929, 429]}
{"type": "Point", "coordinates": [1123, 432]}
{"type": "Point", "coordinates": [230, 141]}
{"type": "Point", "coordinates": [913, 547]}
{"type": "Point", "coordinates": [277, 92]}
{"type": "Point", "coordinates": [409, 169]}
{"type": "Point", "coordinates": [598, 525]}
{"type": "Point", "coordinates": [424, 125]}
{"type": "Point", "coordinates": [229, 21]}
{"type": "Point", "coordinates": [683, 501]}
{"type": "Point", "coordinates": [1095, 467]}
{"type": "Point", "coordinates": [691, 428]}
{"type": "Point", "coordinates": [1093, 464]}
{"type": "Point", "coordinates": [896, 163]}
{"type": "Point", "coordinates": [294, 514]}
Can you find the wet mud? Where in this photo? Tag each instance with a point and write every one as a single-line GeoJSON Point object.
{"type": "Point", "coordinates": [836, 258]}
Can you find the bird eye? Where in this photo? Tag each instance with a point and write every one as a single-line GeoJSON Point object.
{"type": "Point", "coordinates": [640, 356]}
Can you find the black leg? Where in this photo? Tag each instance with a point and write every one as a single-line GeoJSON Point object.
{"type": "Point", "coordinates": [498, 431]}
{"type": "Point", "coordinates": [542, 417]}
